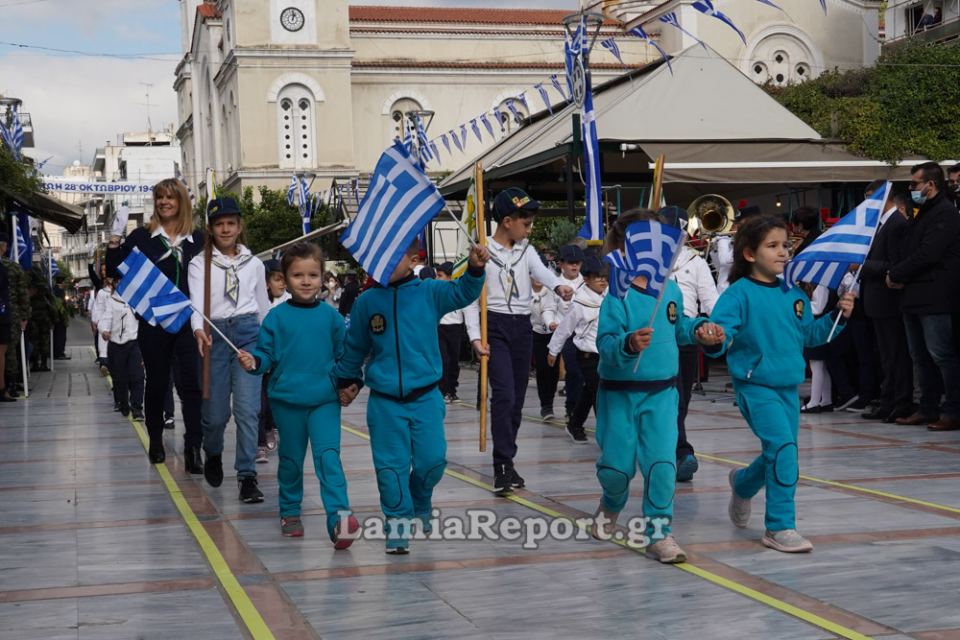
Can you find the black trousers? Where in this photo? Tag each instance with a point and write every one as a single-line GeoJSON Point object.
{"type": "Point", "coordinates": [868, 365]}
{"type": "Point", "coordinates": [547, 377]}
{"type": "Point", "coordinates": [588, 393]}
{"type": "Point", "coordinates": [511, 346]}
{"type": "Point", "coordinates": [689, 370]}
{"type": "Point", "coordinates": [161, 352]}
{"type": "Point", "coordinates": [573, 377]}
{"type": "Point", "coordinates": [168, 406]}
{"type": "Point", "coordinates": [59, 340]}
{"type": "Point", "coordinates": [450, 336]}
{"type": "Point", "coordinates": [126, 369]}
{"type": "Point", "coordinates": [896, 389]}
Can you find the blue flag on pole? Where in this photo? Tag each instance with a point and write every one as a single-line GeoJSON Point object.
{"type": "Point", "coordinates": [399, 204]}
{"type": "Point", "coordinates": [619, 274]}
{"type": "Point", "coordinates": [650, 250]}
{"type": "Point", "coordinates": [21, 248]}
{"type": "Point", "coordinates": [143, 286]}
{"type": "Point", "coordinates": [172, 310]}
{"type": "Point", "coordinates": [828, 258]}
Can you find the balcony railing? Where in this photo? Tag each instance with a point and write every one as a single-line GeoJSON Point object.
{"type": "Point", "coordinates": [946, 31]}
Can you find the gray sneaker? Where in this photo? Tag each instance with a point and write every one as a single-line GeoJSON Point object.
{"type": "Point", "coordinates": [739, 509]}
{"type": "Point", "coordinates": [667, 551]}
{"type": "Point", "coordinates": [787, 541]}
{"type": "Point", "coordinates": [291, 527]}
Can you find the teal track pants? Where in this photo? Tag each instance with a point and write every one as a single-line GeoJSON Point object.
{"type": "Point", "coordinates": [321, 426]}
{"type": "Point", "coordinates": [638, 428]}
{"type": "Point", "coordinates": [774, 416]}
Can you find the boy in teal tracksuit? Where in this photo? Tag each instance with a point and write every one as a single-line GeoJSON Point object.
{"type": "Point", "coordinates": [637, 406]}
{"type": "Point", "coordinates": [397, 327]}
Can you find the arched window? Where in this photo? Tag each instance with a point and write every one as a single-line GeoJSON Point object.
{"type": "Point", "coordinates": [400, 119]}
{"type": "Point", "coordinates": [782, 56]}
{"type": "Point", "coordinates": [295, 125]}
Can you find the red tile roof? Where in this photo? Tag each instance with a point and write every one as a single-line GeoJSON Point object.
{"type": "Point", "coordinates": [208, 10]}
{"type": "Point", "coordinates": [458, 15]}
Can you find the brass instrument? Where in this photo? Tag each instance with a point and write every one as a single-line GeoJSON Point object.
{"type": "Point", "coordinates": [710, 215]}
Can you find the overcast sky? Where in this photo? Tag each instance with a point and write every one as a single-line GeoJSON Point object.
{"type": "Point", "coordinates": [78, 102]}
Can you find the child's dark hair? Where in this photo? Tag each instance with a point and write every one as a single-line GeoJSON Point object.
{"type": "Point", "coordinates": [594, 267]}
{"type": "Point", "coordinates": [750, 236]}
{"type": "Point", "coordinates": [302, 251]}
{"type": "Point", "coordinates": [617, 234]}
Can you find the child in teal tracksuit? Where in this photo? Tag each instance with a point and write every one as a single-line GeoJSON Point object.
{"type": "Point", "coordinates": [637, 404]}
{"type": "Point", "coordinates": [767, 327]}
{"type": "Point", "coordinates": [396, 326]}
{"type": "Point", "coordinates": [299, 344]}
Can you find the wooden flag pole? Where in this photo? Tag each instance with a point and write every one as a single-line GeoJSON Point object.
{"type": "Point", "coordinates": [484, 360]}
{"type": "Point", "coordinates": [207, 259]}
{"type": "Point", "coordinates": [655, 193]}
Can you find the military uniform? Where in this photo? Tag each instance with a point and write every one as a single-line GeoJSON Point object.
{"type": "Point", "coordinates": [41, 319]}
{"type": "Point", "coordinates": [20, 310]}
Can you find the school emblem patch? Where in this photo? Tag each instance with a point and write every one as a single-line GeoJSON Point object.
{"type": "Point", "coordinates": [798, 309]}
{"type": "Point", "coordinates": [672, 312]}
{"type": "Point", "coordinates": [378, 324]}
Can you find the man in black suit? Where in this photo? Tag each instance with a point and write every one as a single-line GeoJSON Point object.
{"type": "Point", "coordinates": [882, 305]}
{"type": "Point", "coordinates": [930, 274]}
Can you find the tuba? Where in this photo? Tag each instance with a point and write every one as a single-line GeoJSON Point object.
{"type": "Point", "coordinates": [710, 215]}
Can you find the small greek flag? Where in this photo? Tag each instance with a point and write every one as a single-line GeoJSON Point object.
{"type": "Point", "coordinates": [143, 286]}
{"type": "Point", "coordinates": [399, 204]}
{"type": "Point", "coordinates": [643, 35]}
{"type": "Point", "coordinates": [706, 7]}
{"type": "Point", "coordinates": [828, 258]}
{"type": "Point", "coordinates": [476, 130]}
{"type": "Point", "coordinates": [486, 123]}
{"type": "Point", "coordinates": [672, 20]}
{"type": "Point", "coordinates": [593, 225]}
{"type": "Point", "coordinates": [545, 97]}
{"type": "Point", "coordinates": [611, 45]}
{"type": "Point", "coordinates": [21, 250]}
{"type": "Point", "coordinates": [12, 134]}
{"type": "Point", "coordinates": [555, 81]}
{"type": "Point", "coordinates": [619, 274]}
{"type": "Point", "coordinates": [650, 250]}
{"type": "Point", "coordinates": [171, 310]}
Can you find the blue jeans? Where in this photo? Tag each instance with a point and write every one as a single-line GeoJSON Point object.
{"type": "Point", "coordinates": [228, 378]}
{"type": "Point", "coordinates": [935, 361]}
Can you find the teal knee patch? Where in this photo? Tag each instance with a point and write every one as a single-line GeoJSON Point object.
{"type": "Point", "coordinates": [614, 482]}
{"type": "Point", "coordinates": [432, 477]}
{"type": "Point", "coordinates": [659, 484]}
{"type": "Point", "coordinates": [391, 492]}
{"type": "Point", "coordinates": [331, 469]}
{"type": "Point", "coordinates": [786, 470]}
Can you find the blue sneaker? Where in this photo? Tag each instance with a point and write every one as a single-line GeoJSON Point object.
{"type": "Point", "coordinates": [426, 527]}
{"type": "Point", "coordinates": [687, 467]}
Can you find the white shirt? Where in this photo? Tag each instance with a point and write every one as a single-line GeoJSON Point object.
{"type": "Point", "coordinates": [252, 297]}
{"type": "Point", "coordinates": [523, 260]}
{"type": "Point", "coordinates": [721, 255]}
{"type": "Point", "coordinates": [119, 320]}
{"type": "Point", "coordinates": [886, 216]}
{"type": "Point", "coordinates": [543, 310]}
{"type": "Point", "coordinates": [692, 274]}
{"type": "Point", "coordinates": [278, 301]}
{"type": "Point", "coordinates": [819, 299]}
{"type": "Point", "coordinates": [100, 305]}
{"type": "Point", "coordinates": [563, 308]}
{"type": "Point", "coordinates": [581, 322]}
{"type": "Point", "coordinates": [454, 317]}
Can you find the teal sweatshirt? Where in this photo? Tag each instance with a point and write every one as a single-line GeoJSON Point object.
{"type": "Point", "coordinates": [620, 318]}
{"type": "Point", "coordinates": [397, 327]}
{"type": "Point", "coordinates": [766, 330]}
{"type": "Point", "coordinates": [299, 345]}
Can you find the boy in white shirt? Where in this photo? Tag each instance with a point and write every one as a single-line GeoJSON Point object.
{"type": "Point", "coordinates": [571, 261]}
{"type": "Point", "coordinates": [118, 325]}
{"type": "Point", "coordinates": [543, 317]}
{"type": "Point", "coordinates": [97, 312]}
{"type": "Point", "coordinates": [580, 326]}
{"type": "Point", "coordinates": [451, 335]}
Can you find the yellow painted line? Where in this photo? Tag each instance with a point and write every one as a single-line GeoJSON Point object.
{"type": "Point", "coordinates": [238, 597]}
{"type": "Point", "coordinates": [753, 594]}
{"type": "Point", "coordinates": [844, 485]}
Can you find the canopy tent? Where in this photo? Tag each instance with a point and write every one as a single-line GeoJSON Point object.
{"type": "Point", "coordinates": [43, 207]}
{"type": "Point", "coordinates": [712, 123]}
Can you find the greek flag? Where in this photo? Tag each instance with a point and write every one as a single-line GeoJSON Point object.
{"type": "Point", "coordinates": [21, 250]}
{"type": "Point", "coordinates": [543, 96]}
{"type": "Point", "coordinates": [486, 123]}
{"type": "Point", "coordinates": [672, 20]}
{"type": "Point", "coordinates": [171, 310]}
{"type": "Point", "coordinates": [423, 144]}
{"type": "Point", "coordinates": [149, 292]}
{"type": "Point", "coordinates": [706, 8]}
{"type": "Point", "coordinates": [593, 225]}
{"type": "Point", "coordinates": [12, 134]}
{"type": "Point", "coordinates": [619, 274]}
{"type": "Point", "coordinates": [555, 81]}
{"type": "Point", "coordinates": [643, 35]}
{"type": "Point", "coordinates": [650, 250]}
{"type": "Point", "coordinates": [298, 194]}
{"type": "Point", "coordinates": [828, 258]}
{"type": "Point", "coordinates": [611, 45]}
{"type": "Point", "coordinates": [399, 204]}
{"type": "Point", "coordinates": [572, 50]}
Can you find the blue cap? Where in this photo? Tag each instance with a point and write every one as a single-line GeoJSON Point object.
{"type": "Point", "coordinates": [225, 206]}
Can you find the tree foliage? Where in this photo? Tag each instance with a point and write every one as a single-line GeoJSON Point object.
{"type": "Point", "coordinates": [17, 178]}
{"type": "Point", "coordinates": [907, 104]}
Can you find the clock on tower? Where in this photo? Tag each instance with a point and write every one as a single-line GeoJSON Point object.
{"type": "Point", "coordinates": [292, 19]}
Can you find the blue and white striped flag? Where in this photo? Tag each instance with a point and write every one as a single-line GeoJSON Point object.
{"type": "Point", "coordinates": [672, 20]}
{"type": "Point", "coordinates": [651, 250]}
{"type": "Point", "coordinates": [544, 96]}
{"type": "Point", "coordinates": [555, 81]}
{"type": "Point", "coordinates": [828, 258]}
{"type": "Point", "coordinates": [143, 285]}
{"type": "Point", "coordinates": [643, 35]}
{"type": "Point", "coordinates": [423, 144]}
{"type": "Point", "coordinates": [592, 228]}
{"type": "Point", "coordinates": [21, 249]}
{"type": "Point", "coordinates": [13, 134]}
{"type": "Point", "coordinates": [611, 45]}
{"type": "Point", "coordinates": [456, 140]}
{"type": "Point", "coordinates": [476, 130]}
{"type": "Point", "coordinates": [706, 7]}
{"type": "Point", "coordinates": [619, 274]}
{"type": "Point", "coordinates": [446, 142]}
{"type": "Point", "coordinates": [486, 123]}
{"type": "Point", "coordinates": [513, 110]}
{"type": "Point", "coordinates": [171, 310]}
{"type": "Point", "coordinates": [400, 202]}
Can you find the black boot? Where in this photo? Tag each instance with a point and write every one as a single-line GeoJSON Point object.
{"type": "Point", "coordinates": [156, 452]}
{"type": "Point", "coordinates": [502, 477]}
{"type": "Point", "coordinates": [192, 459]}
{"type": "Point", "coordinates": [213, 470]}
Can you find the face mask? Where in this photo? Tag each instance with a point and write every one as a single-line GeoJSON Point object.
{"type": "Point", "coordinates": [918, 197]}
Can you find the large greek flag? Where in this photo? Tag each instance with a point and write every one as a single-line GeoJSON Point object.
{"type": "Point", "coordinates": [650, 250]}
{"type": "Point", "coordinates": [399, 204]}
{"type": "Point", "coordinates": [151, 294]}
{"type": "Point", "coordinates": [828, 258]}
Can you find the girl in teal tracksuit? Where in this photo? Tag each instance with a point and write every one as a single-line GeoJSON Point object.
{"type": "Point", "coordinates": [637, 404]}
{"type": "Point", "coordinates": [396, 326]}
{"type": "Point", "coordinates": [299, 344]}
{"type": "Point", "coordinates": [767, 327]}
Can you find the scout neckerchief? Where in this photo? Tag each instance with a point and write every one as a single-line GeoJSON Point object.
{"type": "Point", "coordinates": [231, 268]}
{"type": "Point", "coordinates": [506, 275]}
{"type": "Point", "coordinates": [176, 250]}
{"type": "Point", "coordinates": [589, 304]}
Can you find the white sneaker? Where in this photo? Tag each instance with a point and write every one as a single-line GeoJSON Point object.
{"type": "Point", "coordinates": [666, 551]}
{"type": "Point", "coordinates": [271, 439]}
{"type": "Point", "coordinates": [739, 509]}
{"type": "Point", "coordinates": [606, 531]}
{"type": "Point", "coordinates": [787, 541]}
